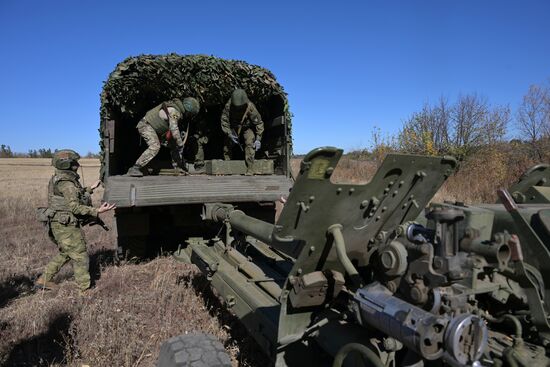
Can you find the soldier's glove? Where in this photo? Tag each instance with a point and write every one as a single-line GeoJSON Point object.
{"type": "Point", "coordinates": [234, 138]}
{"type": "Point", "coordinates": [257, 145]}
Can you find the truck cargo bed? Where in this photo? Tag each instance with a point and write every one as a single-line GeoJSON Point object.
{"type": "Point", "coordinates": [125, 191]}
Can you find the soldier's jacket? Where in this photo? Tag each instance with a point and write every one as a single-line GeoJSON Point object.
{"type": "Point", "coordinates": [68, 201]}
{"type": "Point", "coordinates": [156, 117]}
{"type": "Point", "coordinates": [238, 122]}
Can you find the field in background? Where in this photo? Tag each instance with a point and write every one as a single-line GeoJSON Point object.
{"type": "Point", "coordinates": [134, 307]}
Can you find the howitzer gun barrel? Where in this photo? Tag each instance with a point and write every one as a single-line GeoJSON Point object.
{"type": "Point", "coordinates": [239, 221]}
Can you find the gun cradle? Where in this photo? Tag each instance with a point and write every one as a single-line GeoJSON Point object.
{"type": "Point", "coordinates": [368, 269]}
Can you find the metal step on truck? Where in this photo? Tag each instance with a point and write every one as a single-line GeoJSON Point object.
{"type": "Point", "coordinates": [163, 209]}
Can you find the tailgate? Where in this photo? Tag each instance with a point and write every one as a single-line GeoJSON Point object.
{"type": "Point", "coordinates": [125, 191]}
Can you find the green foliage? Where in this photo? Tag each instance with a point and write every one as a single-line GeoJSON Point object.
{"type": "Point", "coordinates": [457, 129]}
{"type": "Point", "coordinates": [5, 151]}
{"type": "Point", "coordinates": [139, 83]}
{"type": "Point", "coordinates": [40, 153]}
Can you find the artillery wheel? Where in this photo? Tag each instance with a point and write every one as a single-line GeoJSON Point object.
{"type": "Point", "coordinates": [193, 350]}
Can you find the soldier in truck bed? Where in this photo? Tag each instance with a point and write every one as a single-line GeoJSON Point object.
{"type": "Point", "coordinates": [241, 118]}
{"type": "Point", "coordinates": [161, 124]}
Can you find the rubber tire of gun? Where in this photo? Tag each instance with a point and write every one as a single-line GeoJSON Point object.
{"type": "Point", "coordinates": [193, 350]}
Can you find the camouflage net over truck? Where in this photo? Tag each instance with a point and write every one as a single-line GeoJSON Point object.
{"type": "Point", "coordinates": [142, 82]}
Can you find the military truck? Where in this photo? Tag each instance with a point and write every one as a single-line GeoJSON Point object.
{"type": "Point", "coordinates": [161, 210]}
{"type": "Point", "coordinates": [378, 275]}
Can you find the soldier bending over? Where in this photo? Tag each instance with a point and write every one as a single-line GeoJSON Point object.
{"type": "Point", "coordinates": [162, 124]}
{"type": "Point", "coordinates": [241, 118]}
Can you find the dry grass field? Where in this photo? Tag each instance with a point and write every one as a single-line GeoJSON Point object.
{"type": "Point", "coordinates": [132, 307]}
{"type": "Point", "coordinates": [127, 315]}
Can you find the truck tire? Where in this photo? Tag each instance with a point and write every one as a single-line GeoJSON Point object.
{"type": "Point", "coordinates": [193, 350]}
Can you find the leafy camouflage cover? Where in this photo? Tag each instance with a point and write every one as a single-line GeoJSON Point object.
{"type": "Point", "coordinates": [141, 82]}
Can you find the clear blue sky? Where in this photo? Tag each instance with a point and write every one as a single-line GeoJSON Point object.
{"type": "Point", "coordinates": [347, 66]}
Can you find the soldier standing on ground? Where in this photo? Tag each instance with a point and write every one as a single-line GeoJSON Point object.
{"type": "Point", "coordinates": [241, 118]}
{"type": "Point", "coordinates": [69, 207]}
{"type": "Point", "coordinates": [162, 124]}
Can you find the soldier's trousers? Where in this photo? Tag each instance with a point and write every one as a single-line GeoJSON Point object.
{"type": "Point", "coordinates": [153, 143]}
{"type": "Point", "coordinates": [202, 140]}
{"type": "Point", "coordinates": [249, 151]}
{"type": "Point", "coordinates": [72, 246]}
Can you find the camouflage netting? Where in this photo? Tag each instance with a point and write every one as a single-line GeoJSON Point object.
{"type": "Point", "coordinates": [140, 83]}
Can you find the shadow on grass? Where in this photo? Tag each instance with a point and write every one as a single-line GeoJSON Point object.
{"type": "Point", "coordinates": [99, 260]}
{"type": "Point", "coordinates": [250, 353]}
{"type": "Point", "coordinates": [43, 349]}
{"type": "Point", "coordinates": [15, 287]}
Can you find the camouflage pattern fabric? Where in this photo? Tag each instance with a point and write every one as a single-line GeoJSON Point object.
{"type": "Point", "coordinates": [249, 151]}
{"type": "Point", "coordinates": [72, 246]}
{"type": "Point", "coordinates": [157, 119]}
{"type": "Point", "coordinates": [246, 123]}
{"type": "Point", "coordinates": [209, 79]}
{"type": "Point", "coordinates": [72, 208]}
{"type": "Point", "coordinates": [75, 199]}
{"type": "Point", "coordinates": [237, 119]}
{"type": "Point", "coordinates": [201, 138]}
{"type": "Point", "coordinates": [153, 143]}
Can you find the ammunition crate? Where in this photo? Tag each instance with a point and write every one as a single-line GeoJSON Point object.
{"type": "Point", "coordinates": [221, 167]}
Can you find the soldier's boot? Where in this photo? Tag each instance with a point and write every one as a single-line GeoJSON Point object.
{"type": "Point", "coordinates": [178, 171]}
{"type": "Point", "coordinates": [199, 168]}
{"type": "Point", "coordinates": [135, 171]}
{"type": "Point", "coordinates": [44, 284]}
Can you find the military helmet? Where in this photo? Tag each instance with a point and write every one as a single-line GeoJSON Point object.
{"type": "Point", "coordinates": [191, 105]}
{"type": "Point", "coordinates": [65, 158]}
{"type": "Point", "coordinates": [239, 98]}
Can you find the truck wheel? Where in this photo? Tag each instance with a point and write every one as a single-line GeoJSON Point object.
{"type": "Point", "coordinates": [193, 350]}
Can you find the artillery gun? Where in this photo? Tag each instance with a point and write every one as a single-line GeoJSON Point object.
{"type": "Point", "coordinates": [376, 275]}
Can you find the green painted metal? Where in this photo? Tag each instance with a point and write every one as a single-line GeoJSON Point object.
{"type": "Point", "coordinates": [422, 281]}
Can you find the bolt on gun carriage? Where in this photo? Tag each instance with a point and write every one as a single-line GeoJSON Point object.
{"type": "Point", "coordinates": [377, 271]}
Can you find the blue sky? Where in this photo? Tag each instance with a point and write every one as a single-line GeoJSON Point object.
{"type": "Point", "coordinates": [347, 66]}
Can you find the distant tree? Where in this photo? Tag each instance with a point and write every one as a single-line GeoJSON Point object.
{"type": "Point", "coordinates": [427, 131]}
{"type": "Point", "coordinates": [380, 145]}
{"type": "Point", "coordinates": [5, 151]}
{"type": "Point", "coordinates": [92, 155]}
{"type": "Point", "coordinates": [45, 153]}
{"type": "Point", "coordinates": [40, 153]}
{"type": "Point", "coordinates": [533, 119]}
{"type": "Point", "coordinates": [456, 129]}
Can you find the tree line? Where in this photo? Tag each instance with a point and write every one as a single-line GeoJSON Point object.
{"type": "Point", "coordinates": [471, 124]}
{"type": "Point", "coordinates": [7, 152]}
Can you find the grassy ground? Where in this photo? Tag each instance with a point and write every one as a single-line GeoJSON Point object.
{"type": "Point", "coordinates": [133, 307]}
{"type": "Point", "coordinates": [124, 319]}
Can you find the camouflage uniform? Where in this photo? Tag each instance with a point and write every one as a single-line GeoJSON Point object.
{"type": "Point", "coordinates": [71, 205]}
{"type": "Point", "coordinates": [246, 123]}
{"type": "Point", "coordinates": [161, 124]}
{"type": "Point", "coordinates": [201, 137]}
{"type": "Point", "coordinates": [156, 125]}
